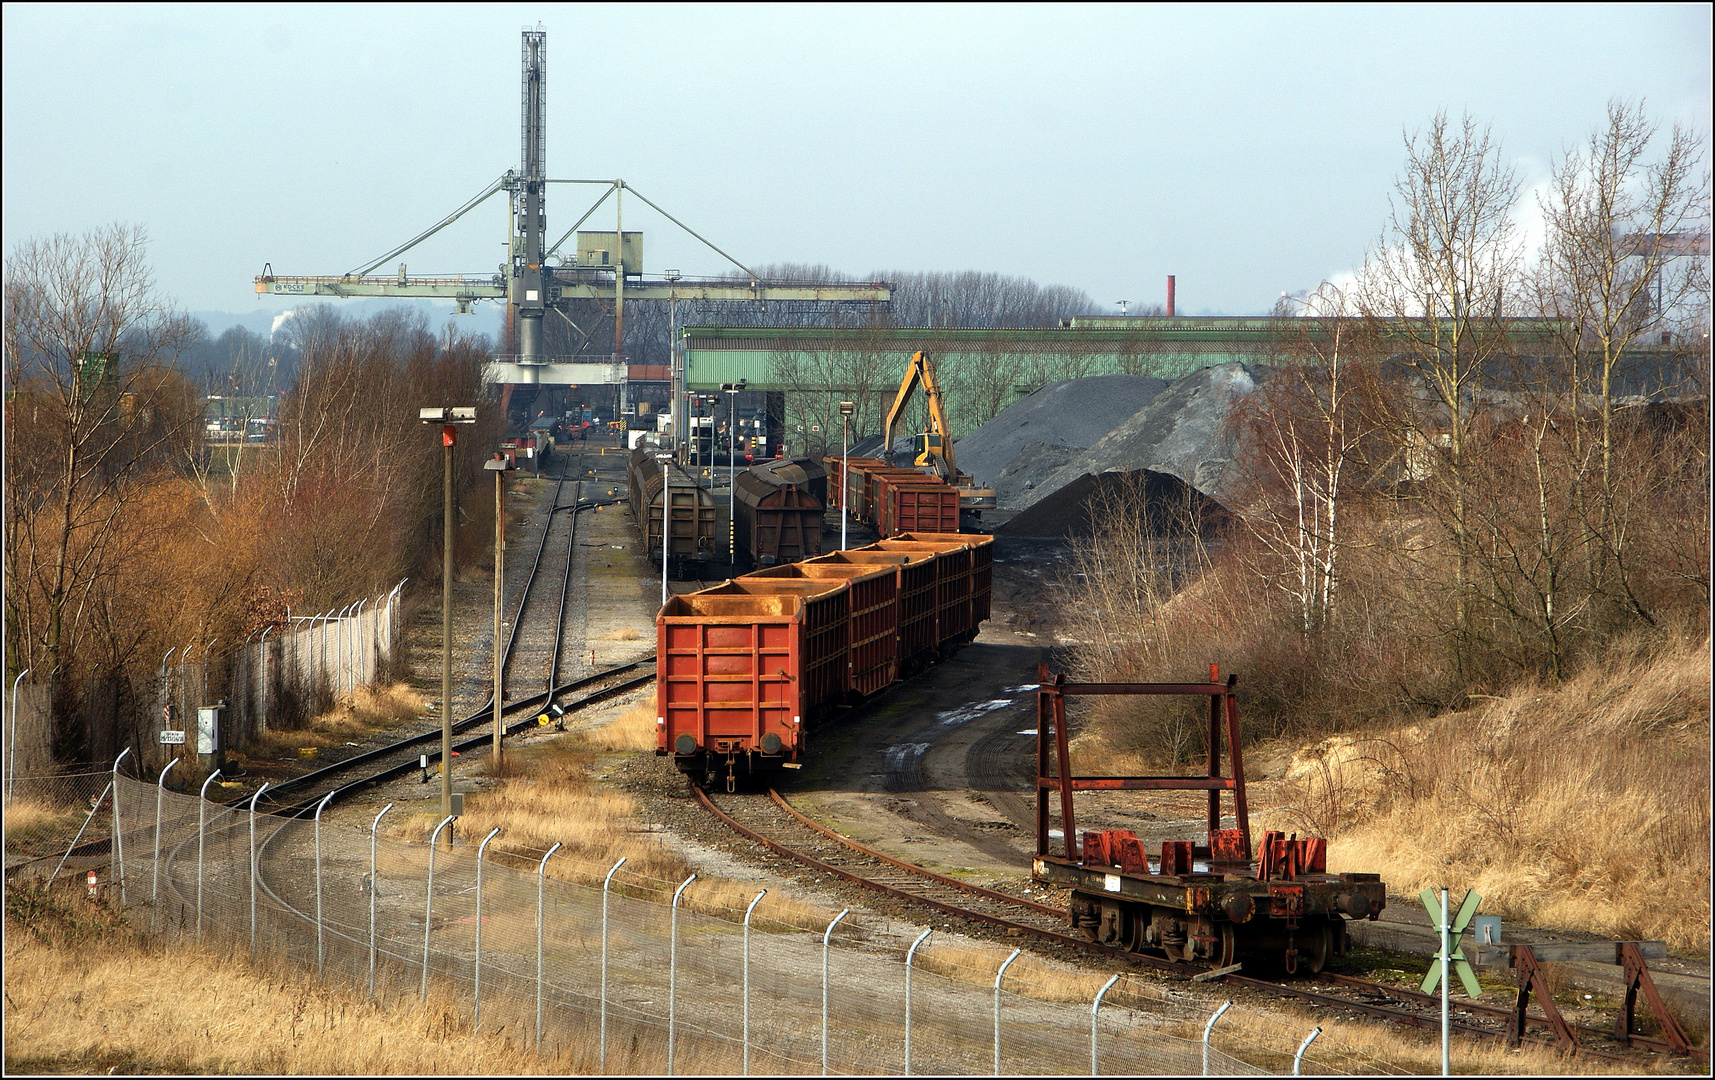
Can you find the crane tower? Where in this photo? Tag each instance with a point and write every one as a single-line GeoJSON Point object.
{"type": "Point", "coordinates": [526, 290]}
{"type": "Point", "coordinates": [533, 278]}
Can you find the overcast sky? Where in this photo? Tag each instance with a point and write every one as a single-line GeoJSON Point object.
{"type": "Point", "coordinates": [1248, 150]}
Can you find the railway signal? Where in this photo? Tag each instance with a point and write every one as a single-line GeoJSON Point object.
{"type": "Point", "coordinates": [1450, 937]}
{"type": "Point", "coordinates": [1449, 955]}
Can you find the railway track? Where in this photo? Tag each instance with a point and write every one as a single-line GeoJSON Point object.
{"type": "Point", "coordinates": [399, 758]}
{"type": "Point", "coordinates": [775, 824]}
{"type": "Point", "coordinates": [533, 651]}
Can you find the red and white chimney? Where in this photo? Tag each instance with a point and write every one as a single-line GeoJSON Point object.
{"type": "Point", "coordinates": [1169, 296]}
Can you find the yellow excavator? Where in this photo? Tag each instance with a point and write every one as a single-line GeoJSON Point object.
{"type": "Point", "coordinates": [934, 448]}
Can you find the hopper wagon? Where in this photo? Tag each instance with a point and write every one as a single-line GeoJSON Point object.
{"type": "Point", "coordinates": [748, 670]}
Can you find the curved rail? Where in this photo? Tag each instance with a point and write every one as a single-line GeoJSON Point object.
{"type": "Point", "coordinates": [484, 711]}
{"type": "Point", "coordinates": [1025, 921]}
{"type": "Point", "coordinates": [920, 886]}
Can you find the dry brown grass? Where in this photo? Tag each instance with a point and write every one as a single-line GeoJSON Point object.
{"type": "Point", "coordinates": [633, 730]}
{"type": "Point", "coordinates": [551, 798]}
{"type": "Point", "coordinates": [624, 633]}
{"type": "Point", "coordinates": [1251, 1034]}
{"type": "Point", "coordinates": [368, 710]}
{"type": "Point", "coordinates": [1584, 806]}
{"type": "Point", "coordinates": [110, 1003]}
{"type": "Point", "coordinates": [31, 819]}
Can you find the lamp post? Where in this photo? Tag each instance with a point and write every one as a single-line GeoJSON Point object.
{"type": "Point", "coordinates": [845, 453]}
{"type": "Point", "coordinates": [731, 390]}
{"type": "Point", "coordinates": [498, 466]}
{"type": "Point", "coordinates": [448, 418]}
{"type": "Point", "coordinates": [675, 378]}
{"type": "Point", "coordinates": [666, 515]}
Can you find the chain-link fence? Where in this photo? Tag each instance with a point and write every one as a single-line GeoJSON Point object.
{"type": "Point", "coordinates": [47, 815]}
{"type": "Point", "coordinates": [274, 678]}
{"type": "Point", "coordinates": [627, 974]}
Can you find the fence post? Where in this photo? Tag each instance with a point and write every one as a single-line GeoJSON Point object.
{"type": "Point", "coordinates": [998, 976]}
{"type": "Point", "coordinates": [94, 809]}
{"type": "Point", "coordinates": [827, 936]}
{"type": "Point", "coordinates": [374, 887]}
{"type": "Point", "coordinates": [747, 912]}
{"type": "Point", "coordinates": [202, 832]}
{"type": "Point", "coordinates": [1094, 1009]}
{"type": "Point", "coordinates": [12, 768]}
{"type": "Point", "coordinates": [118, 834]}
{"type": "Point", "coordinates": [476, 970]}
{"type": "Point", "coordinates": [604, 892]}
{"type": "Point", "coordinates": [155, 872]}
{"type": "Point", "coordinates": [253, 799]}
{"type": "Point", "coordinates": [429, 903]}
{"type": "Point", "coordinates": [541, 873]}
{"type": "Point", "coordinates": [673, 972]}
{"type": "Point", "coordinates": [1209, 1027]}
{"type": "Point", "coordinates": [1298, 1058]}
{"type": "Point", "coordinates": [910, 954]}
{"type": "Point", "coordinates": [241, 700]}
{"type": "Point", "coordinates": [319, 808]}
{"type": "Point", "coordinates": [262, 687]}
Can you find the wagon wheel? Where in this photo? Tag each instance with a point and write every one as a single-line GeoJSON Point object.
{"type": "Point", "coordinates": [1136, 922]}
{"type": "Point", "coordinates": [1226, 948]}
{"type": "Point", "coordinates": [1315, 945]}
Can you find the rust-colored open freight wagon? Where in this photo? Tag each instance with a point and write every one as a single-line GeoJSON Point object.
{"type": "Point", "coordinates": [746, 670]}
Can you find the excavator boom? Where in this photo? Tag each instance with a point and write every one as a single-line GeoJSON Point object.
{"type": "Point", "coordinates": [937, 447]}
{"type": "Point", "coordinates": [922, 370]}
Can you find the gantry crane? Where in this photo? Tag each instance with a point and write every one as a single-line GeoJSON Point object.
{"type": "Point", "coordinates": [531, 285]}
{"type": "Point", "coordinates": [934, 446]}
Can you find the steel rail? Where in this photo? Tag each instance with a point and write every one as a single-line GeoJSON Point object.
{"type": "Point", "coordinates": [485, 711]}
{"type": "Point", "coordinates": [952, 883]}
{"type": "Point", "coordinates": [486, 738]}
{"type": "Point", "coordinates": [565, 583]}
{"type": "Point", "coordinates": [1406, 994]}
{"type": "Point", "coordinates": [1403, 1016]}
{"type": "Point", "coordinates": [820, 866]}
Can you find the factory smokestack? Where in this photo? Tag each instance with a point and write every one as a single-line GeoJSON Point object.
{"type": "Point", "coordinates": [1170, 296]}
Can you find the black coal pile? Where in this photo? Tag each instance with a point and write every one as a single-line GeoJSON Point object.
{"type": "Point", "coordinates": [1180, 438]}
{"type": "Point", "coordinates": [1034, 437]}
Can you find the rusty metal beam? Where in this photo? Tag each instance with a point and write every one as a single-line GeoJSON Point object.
{"type": "Point", "coordinates": [1163, 689]}
{"type": "Point", "coordinates": [1142, 783]}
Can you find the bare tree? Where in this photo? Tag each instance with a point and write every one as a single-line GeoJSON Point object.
{"type": "Point", "coordinates": [1310, 424]}
{"type": "Point", "coordinates": [1436, 286]}
{"type": "Point", "coordinates": [87, 338]}
{"type": "Point", "coordinates": [1610, 278]}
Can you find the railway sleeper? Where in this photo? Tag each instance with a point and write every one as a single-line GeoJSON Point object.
{"type": "Point", "coordinates": [1295, 944]}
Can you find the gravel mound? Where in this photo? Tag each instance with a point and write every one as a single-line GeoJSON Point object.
{"type": "Point", "coordinates": [1180, 436]}
{"type": "Point", "coordinates": [1038, 433]}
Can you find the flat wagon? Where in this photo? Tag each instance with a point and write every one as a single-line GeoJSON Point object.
{"type": "Point", "coordinates": [1206, 903]}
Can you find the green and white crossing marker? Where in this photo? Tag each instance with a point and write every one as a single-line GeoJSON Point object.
{"type": "Point", "coordinates": [1450, 943]}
